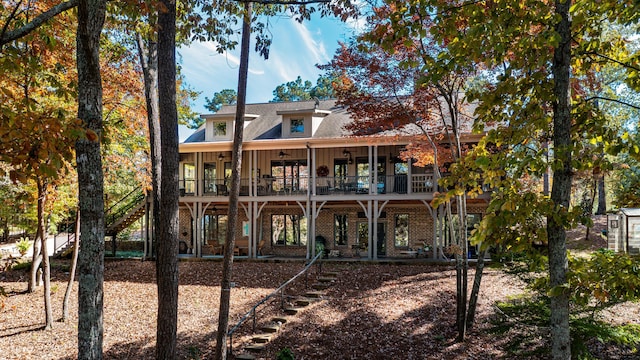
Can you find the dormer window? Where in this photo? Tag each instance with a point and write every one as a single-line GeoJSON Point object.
{"type": "Point", "coordinates": [301, 122]}
{"type": "Point", "coordinates": [220, 129]}
{"type": "Point", "coordinates": [297, 126]}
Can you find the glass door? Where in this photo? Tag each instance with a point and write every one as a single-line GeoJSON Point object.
{"type": "Point", "coordinates": [209, 178]}
{"type": "Point", "coordinates": [363, 237]}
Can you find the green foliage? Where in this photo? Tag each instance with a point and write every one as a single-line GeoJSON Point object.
{"type": "Point", "coordinates": [23, 245]}
{"type": "Point", "coordinates": [21, 266]}
{"type": "Point", "coordinates": [525, 319]}
{"type": "Point", "coordinates": [597, 282]}
{"type": "Point", "coordinates": [626, 183]}
{"type": "Point", "coordinates": [224, 97]}
{"type": "Point", "coordinates": [604, 279]}
{"type": "Point", "coordinates": [585, 329]}
{"type": "Point", "coordinates": [298, 90]}
{"type": "Point", "coordinates": [185, 95]}
{"type": "Point", "coordinates": [285, 354]}
{"type": "Point", "coordinates": [195, 353]}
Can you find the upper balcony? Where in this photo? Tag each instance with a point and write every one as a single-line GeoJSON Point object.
{"type": "Point", "coordinates": [291, 186]}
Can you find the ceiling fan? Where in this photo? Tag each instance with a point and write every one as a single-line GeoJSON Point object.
{"type": "Point", "coordinates": [282, 154]}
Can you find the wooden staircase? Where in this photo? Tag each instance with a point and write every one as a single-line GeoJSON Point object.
{"type": "Point", "coordinates": [117, 218]}
{"type": "Point", "coordinates": [270, 331]}
{"type": "Point", "coordinates": [125, 212]}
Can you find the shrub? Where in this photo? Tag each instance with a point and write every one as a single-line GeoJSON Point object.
{"type": "Point", "coordinates": [285, 354]}
{"type": "Point", "coordinates": [23, 245]}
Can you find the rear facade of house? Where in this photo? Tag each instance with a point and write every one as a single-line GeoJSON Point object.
{"type": "Point", "coordinates": [307, 184]}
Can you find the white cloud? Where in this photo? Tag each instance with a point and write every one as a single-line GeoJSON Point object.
{"type": "Point", "coordinates": [358, 25]}
{"type": "Point", "coordinates": [315, 47]}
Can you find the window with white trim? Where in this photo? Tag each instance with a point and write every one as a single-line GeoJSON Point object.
{"type": "Point", "coordinates": [288, 230]}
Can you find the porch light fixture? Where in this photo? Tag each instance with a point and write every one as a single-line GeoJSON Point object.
{"type": "Point", "coordinates": [220, 156]}
{"type": "Point", "coordinates": [347, 153]}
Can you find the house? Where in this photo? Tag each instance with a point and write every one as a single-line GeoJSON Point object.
{"type": "Point", "coordinates": [305, 181]}
{"type": "Point", "coordinates": [623, 231]}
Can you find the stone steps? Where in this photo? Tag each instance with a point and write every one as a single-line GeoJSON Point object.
{"type": "Point", "coordinates": [314, 294]}
{"type": "Point", "coordinates": [320, 286]}
{"type": "Point", "coordinates": [270, 330]}
{"type": "Point", "coordinates": [244, 356]}
{"type": "Point", "coordinates": [301, 302]}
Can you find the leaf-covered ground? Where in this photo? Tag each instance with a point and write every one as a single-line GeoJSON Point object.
{"type": "Point", "coordinates": [372, 311]}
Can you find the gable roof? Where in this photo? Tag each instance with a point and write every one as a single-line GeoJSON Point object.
{"type": "Point", "coordinates": [268, 124]}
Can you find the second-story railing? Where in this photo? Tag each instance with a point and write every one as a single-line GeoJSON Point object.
{"type": "Point", "coordinates": [299, 185]}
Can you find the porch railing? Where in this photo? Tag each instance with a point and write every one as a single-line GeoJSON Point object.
{"type": "Point", "coordinates": [291, 185]}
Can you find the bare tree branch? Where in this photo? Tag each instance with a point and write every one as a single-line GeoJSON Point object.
{"type": "Point", "coordinates": [626, 65]}
{"type": "Point", "coordinates": [9, 19]}
{"type": "Point", "coordinates": [613, 100]}
{"type": "Point", "coordinates": [37, 22]}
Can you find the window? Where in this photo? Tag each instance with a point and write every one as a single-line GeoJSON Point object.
{"type": "Point", "coordinates": [288, 230]}
{"type": "Point", "coordinates": [400, 168]}
{"type": "Point", "coordinates": [297, 126]}
{"type": "Point", "coordinates": [340, 229]}
{"type": "Point", "coordinates": [220, 129]}
{"type": "Point", "coordinates": [214, 228]}
{"type": "Point", "coordinates": [401, 232]}
{"type": "Point", "coordinates": [290, 175]}
{"type": "Point", "coordinates": [189, 173]}
{"type": "Point", "coordinates": [209, 177]}
{"type": "Point", "coordinates": [227, 170]}
{"type": "Point", "coordinates": [472, 221]}
{"type": "Point", "coordinates": [340, 172]}
{"type": "Point", "coordinates": [362, 172]}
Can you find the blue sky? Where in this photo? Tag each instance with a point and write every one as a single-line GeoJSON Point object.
{"type": "Point", "coordinates": [295, 50]}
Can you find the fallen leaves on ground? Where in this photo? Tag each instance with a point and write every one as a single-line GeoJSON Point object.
{"type": "Point", "coordinates": [371, 311]}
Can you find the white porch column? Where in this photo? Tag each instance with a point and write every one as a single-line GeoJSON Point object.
{"type": "Point", "coordinates": [370, 230]}
{"type": "Point", "coordinates": [197, 229]}
{"type": "Point", "coordinates": [375, 229]}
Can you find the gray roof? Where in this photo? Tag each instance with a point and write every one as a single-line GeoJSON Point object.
{"type": "Point", "coordinates": [268, 124]}
{"type": "Point", "coordinates": [630, 211]}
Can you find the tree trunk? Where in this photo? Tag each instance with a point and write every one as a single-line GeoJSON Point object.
{"type": "Point", "coordinates": [72, 275]}
{"type": "Point", "coordinates": [475, 291]}
{"type": "Point", "coordinates": [602, 196]}
{"type": "Point", "coordinates": [462, 265]}
{"type": "Point", "coordinates": [42, 231]}
{"type": "Point", "coordinates": [148, 55]}
{"type": "Point", "coordinates": [167, 222]}
{"type": "Point", "coordinates": [561, 188]}
{"type": "Point", "coordinates": [227, 266]}
{"type": "Point", "coordinates": [91, 14]}
{"type": "Point", "coordinates": [461, 301]}
{"type": "Point", "coordinates": [592, 199]}
{"type": "Point", "coordinates": [36, 260]}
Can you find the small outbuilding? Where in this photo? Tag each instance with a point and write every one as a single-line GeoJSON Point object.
{"type": "Point", "coordinates": [623, 231]}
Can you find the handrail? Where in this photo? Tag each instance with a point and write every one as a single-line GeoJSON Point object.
{"type": "Point", "coordinates": [272, 294]}
{"type": "Point", "coordinates": [136, 196]}
{"type": "Point", "coordinates": [121, 200]}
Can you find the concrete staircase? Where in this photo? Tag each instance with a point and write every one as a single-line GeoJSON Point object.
{"type": "Point", "coordinates": [270, 330]}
